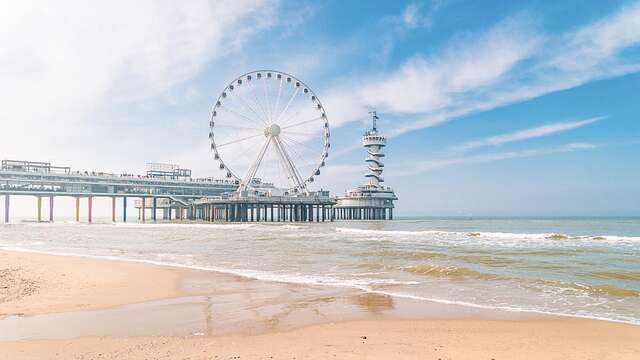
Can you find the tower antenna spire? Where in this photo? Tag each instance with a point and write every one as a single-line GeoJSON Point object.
{"type": "Point", "coordinates": [374, 119]}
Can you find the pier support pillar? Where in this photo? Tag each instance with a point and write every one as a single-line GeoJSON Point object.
{"type": "Point", "coordinates": [90, 210]}
{"type": "Point", "coordinates": [143, 209]}
{"type": "Point", "coordinates": [39, 208]}
{"type": "Point", "coordinates": [113, 209]}
{"type": "Point", "coordinates": [390, 213]}
{"type": "Point", "coordinates": [154, 207]}
{"type": "Point", "coordinates": [124, 209]}
{"type": "Point", "coordinates": [77, 209]}
{"type": "Point", "coordinates": [6, 209]}
{"type": "Point", "coordinates": [51, 208]}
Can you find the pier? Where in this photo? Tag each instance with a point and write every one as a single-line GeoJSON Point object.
{"type": "Point", "coordinates": [163, 184]}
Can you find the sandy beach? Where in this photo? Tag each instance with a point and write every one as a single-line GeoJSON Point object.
{"type": "Point", "coordinates": [61, 307]}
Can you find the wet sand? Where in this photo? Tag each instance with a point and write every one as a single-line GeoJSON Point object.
{"type": "Point", "coordinates": [56, 307]}
{"type": "Point", "coordinates": [32, 283]}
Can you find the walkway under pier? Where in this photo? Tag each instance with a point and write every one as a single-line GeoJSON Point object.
{"type": "Point", "coordinates": [267, 209]}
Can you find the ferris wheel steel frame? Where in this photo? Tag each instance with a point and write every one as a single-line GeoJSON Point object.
{"type": "Point", "coordinates": [274, 127]}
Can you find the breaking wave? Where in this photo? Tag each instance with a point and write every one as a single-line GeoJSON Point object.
{"type": "Point", "coordinates": [488, 235]}
{"type": "Point", "coordinates": [449, 272]}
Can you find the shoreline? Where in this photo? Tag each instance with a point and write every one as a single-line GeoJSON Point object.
{"type": "Point", "coordinates": [128, 309]}
{"type": "Point", "coordinates": [187, 268]}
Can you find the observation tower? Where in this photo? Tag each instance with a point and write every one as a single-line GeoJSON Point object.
{"type": "Point", "coordinates": [371, 200]}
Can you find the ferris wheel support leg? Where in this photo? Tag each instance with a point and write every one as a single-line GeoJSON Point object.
{"type": "Point", "coordinates": [254, 167]}
{"type": "Point", "coordinates": [288, 164]}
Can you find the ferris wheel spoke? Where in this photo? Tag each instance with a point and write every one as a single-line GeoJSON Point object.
{"type": "Point", "coordinates": [238, 140]}
{"type": "Point", "coordinates": [300, 123]}
{"type": "Point", "coordinates": [248, 106]}
{"type": "Point", "coordinates": [277, 106]}
{"type": "Point", "coordinates": [267, 100]}
{"type": "Point", "coordinates": [293, 96]}
{"type": "Point", "coordinates": [297, 133]}
{"type": "Point", "coordinates": [242, 116]}
{"type": "Point", "coordinates": [290, 139]}
{"type": "Point", "coordinates": [293, 116]}
{"type": "Point", "coordinates": [244, 153]}
{"type": "Point", "coordinates": [259, 105]}
{"type": "Point", "coordinates": [238, 127]}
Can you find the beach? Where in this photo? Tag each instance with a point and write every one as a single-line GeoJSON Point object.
{"type": "Point", "coordinates": [62, 307]}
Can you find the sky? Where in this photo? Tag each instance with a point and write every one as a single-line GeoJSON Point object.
{"type": "Point", "coordinates": [519, 108]}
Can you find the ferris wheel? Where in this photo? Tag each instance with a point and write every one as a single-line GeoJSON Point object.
{"type": "Point", "coordinates": [269, 125]}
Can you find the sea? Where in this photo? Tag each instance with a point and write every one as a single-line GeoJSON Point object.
{"type": "Point", "coordinates": [581, 267]}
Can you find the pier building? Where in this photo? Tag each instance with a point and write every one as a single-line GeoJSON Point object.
{"type": "Point", "coordinates": [371, 200]}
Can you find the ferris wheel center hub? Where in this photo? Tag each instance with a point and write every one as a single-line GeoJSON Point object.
{"type": "Point", "coordinates": [272, 130]}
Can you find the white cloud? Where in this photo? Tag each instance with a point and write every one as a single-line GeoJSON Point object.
{"type": "Point", "coordinates": [597, 44]}
{"type": "Point", "coordinates": [62, 63]}
{"type": "Point", "coordinates": [419, 14]}
{"type": "Point", "coordinates": [419, 167]}
{"type": "Point", "coordinates": [530, 133]}
{"type": "Point", "coordinates": [512, 62]}
{"type": "Point", "coordinates": [410, 15]}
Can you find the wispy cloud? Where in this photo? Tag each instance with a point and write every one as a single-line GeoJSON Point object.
{"type": "Point", "coordinates": [410, 15]}
{"type": "Point", "coordinates": [526, 134]}
{"type": "Point", "coordinates": [512, 62]}
{"type": "Point", "coordinates": [419, 14]}
{"type": "Point", "coordinates": [419, 167]}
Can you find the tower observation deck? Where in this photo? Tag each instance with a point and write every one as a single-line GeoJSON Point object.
{"type": "Point", "coordinates": [371, 200]}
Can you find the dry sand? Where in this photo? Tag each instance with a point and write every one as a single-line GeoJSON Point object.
{"type": "Point", "coordinates": [39, 284]}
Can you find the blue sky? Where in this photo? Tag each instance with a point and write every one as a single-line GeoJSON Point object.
{"type": "Point", "coordinates": [491, 107]}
